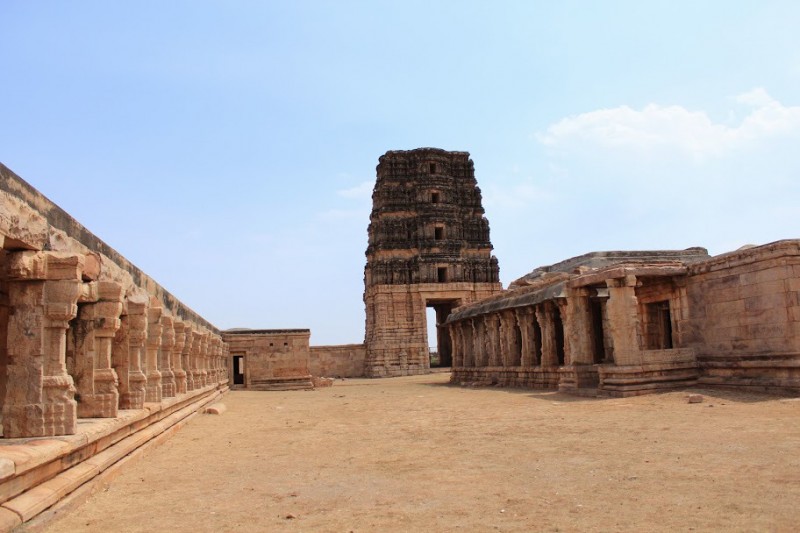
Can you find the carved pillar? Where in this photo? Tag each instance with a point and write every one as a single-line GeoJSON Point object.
{"type": "Point", "coordinates": [43, 291]}
{"type": "Point", "coordinates": [505, 334]}
{"type": "Point", "coordinates": [577, 317]}
{"type": "Point", "coordinates": [623, 319]}
{"type": "Point", "coordinates": [476, 343]}
{"type": "Point", "coordinates": [99, 396]}
{"type": "Point", "coordinates": [177, 356]}
{"type": "Point", "coordinates": [525, 320]}
{"type": "Point", "coordinates": [165, 357]}
{"type": "Point", "coordinates": [544, 314]}
{"type": "Point", "coordinates": [187, 356]}
{"type": "Point", "coordinates": [466, 330]}
{"type": "Point", "coordinates": [455, 342]}
{"type": "Point", "coordinates": [194, 359]}
{"type": "Point", "coordinates": [202, 372]}
{"type": "Point", "coordinates": [492, 324]}
{"type": "Point", "coordinates": [153, 391]}
{"type": "Point", "coordinates": [129, 346]}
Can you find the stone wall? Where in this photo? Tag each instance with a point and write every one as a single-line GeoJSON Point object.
{"type": "Point", "coordinates": [744, 317]}
{"type": "Point", "coordinates": [84, 334]}
{"type": "Point", "coordinates": [272, 359]}
{"type": "Point", "coordinates": [342, 361]}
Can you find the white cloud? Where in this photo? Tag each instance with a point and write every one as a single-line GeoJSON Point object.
{"type": "Point", "coordinates": [674, 128]}
{"type": "Point", "coordinates": [360, 191]}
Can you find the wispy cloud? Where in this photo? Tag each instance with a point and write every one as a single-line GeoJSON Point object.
{"type": "Point", "coordinates": [674, 128]}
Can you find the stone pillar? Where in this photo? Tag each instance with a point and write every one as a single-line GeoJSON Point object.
{"type": "Point", "coordinates": [455, 343]}
{"type": "Point", "coordinates": [506, 336]}
{"type": "Point", "coordinates": [177, 356]}
{"type": "Point", "coordinates": [99, 396]}
{"type": "Point", "coordinates": [492, 324]}
{"type": "Point", "coordinates": [525, 318]}
{"type": "Point", "coordinates": [622, 309]}
{"type": "Point", "coordinates": [193, 377]}
{"type": "Point", "coordinates": [544, 314]}
{"type": "Point", "coordinates": [477, 349]}
{"type": "Point", "coordinates": [153, 391]}
{"type": "Point", "coordinates": [43, 291]}
{"type": "Point", "coordinates": [165, 357]}
{"type": "Point", "coordinates": [187, 356]}
{"type": "Point", "coordinates": [577, 317]}
{"type": "Point", "coordinates": [128, 354]}
{"type": "Point", "coordinates": [202, 356]}
{"type": "Point", "coordinates": [469, 348]}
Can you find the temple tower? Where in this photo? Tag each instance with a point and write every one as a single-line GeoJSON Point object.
{"type": "Point", "coordinates": [428, 247]}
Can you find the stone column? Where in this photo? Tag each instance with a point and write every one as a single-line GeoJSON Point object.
{"type": "Point", "coordinates": [623, 319]}
{"type": "Point", "coordinates": [177, 355]}
{"type": "Point", "coordinates": [455, 343]}
{"type": "Point", "coordinates": [506, 334]}
{"type": "Point", "coordinates": [43, 291]}
{"type": "Point", "coordinates": [466, 330]}
{"type": "Point", "coordinates": [202, 357]}
{"type": "Point", "coordinates": [492, 324]}
{"type": "Point", "coordinates": [99, 396]}
{"type": "Point", "coordinates": [128, 354]}
{"type": "Point", "coordinates": [525, 319]}
{"type": "Point", "coordinates": [153, 392]}
{"type": "Point", "coordinates": [194, 359]}
{"type": "Point", "coordinates": [577, 317]}
{"type": "Point", "coordinates": [165, 357]}
{"type": "Point", "coordinates": [544, 314]}
{"type": "Point", "coordinates": [476, 343]}
{"type": "Point", "coordinates": [187, 356]}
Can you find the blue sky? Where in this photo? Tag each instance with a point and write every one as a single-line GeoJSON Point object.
{"type": "Point", "coordinates": [229, 148]}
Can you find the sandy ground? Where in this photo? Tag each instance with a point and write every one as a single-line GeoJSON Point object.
{"type": "Point", "coordinates": [415, 454]}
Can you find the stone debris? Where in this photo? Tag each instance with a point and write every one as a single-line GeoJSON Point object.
{"type": "Point", "coordinates": [215, 409]}
{"type": "Point", "coordinates": [695, 398]}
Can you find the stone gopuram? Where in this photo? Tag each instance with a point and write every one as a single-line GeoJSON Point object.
{"type": "Point", "coordinates": [428, 247]}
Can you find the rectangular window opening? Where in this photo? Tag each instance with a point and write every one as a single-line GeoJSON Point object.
{"type": "Point", "coordinates": [441, 274]}
{"type": "Point", "coordinates": [434, 197]}
{"type": "Point", "coordinates": [438, 233]}
{"type": "Point", "coordinates": [433, 168]}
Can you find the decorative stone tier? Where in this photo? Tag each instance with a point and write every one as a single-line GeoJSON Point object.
{"type": "Point", "coordinates": [428, 246]}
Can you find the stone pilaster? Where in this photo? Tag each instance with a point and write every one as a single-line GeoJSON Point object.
{"type": "Point", "coordinates": [187, 356]}
{"type": "Point", "coordinates": [623, 319]}
{"type": "Point", "coordinates": [525, 318]}
{"type": "Point", "coordinates": [165, 357]}
{"type": "Point", "coordinates": [544, 314]}
{"type": "Point", "coordinates": [153, 391]}
{"type": "Point", "coordinates": [177, 356]}
{"type": "Point", "coordinates": [43, 291]}
{"type": "Point", "coordinates": [492, 323]}
{"type": "Point", "coordinates": [194, 360]}
{"type": "Point", "coordinates": [99, 395]}
{"type": "Point", "coordinates": [129, 350]}
{"type": "Point", "coordinates": [202, 360]}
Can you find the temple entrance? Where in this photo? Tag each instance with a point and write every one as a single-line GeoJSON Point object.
{"type": "Point", "coordinates": [238, 370]}
{"type": "Point", "coordinates": [598, 339]}
{"type": "Point", "coordinates": [436, 315]}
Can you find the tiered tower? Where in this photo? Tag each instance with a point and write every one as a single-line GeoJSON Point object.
{"type": "Point", "coordinates": [428, 247]}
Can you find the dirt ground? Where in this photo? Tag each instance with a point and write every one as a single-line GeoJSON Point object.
{"type": "Point", "coordinates": [415, 454]}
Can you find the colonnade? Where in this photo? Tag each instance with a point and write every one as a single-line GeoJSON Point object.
{"type": "Point", "coordinates": [562, 336]}
{"type": "Point", "coordinates": [83, 348]}
{"type": "Point", "coordinates": [527, 337]}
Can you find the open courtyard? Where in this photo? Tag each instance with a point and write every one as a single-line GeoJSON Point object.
{"type": "Point", "coordinates": [417, 454]}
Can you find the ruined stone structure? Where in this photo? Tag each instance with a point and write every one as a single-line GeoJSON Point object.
{"type": "Point", "coordinates": [269, 359]}
{"type": "Point", "coordinates": [628, 323]}
{"type": "Point", "coordinates": [428, 247]}
{"type": "Point", "coordinates": [85, 336]}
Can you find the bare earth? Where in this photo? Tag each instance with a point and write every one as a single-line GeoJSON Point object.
{"type": "Point", "coordinates": [415, 454]}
